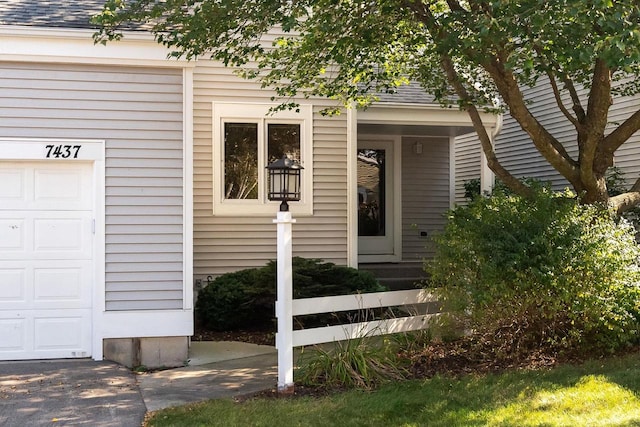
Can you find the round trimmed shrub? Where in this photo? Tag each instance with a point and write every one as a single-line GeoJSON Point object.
{"type": "Point", "coordinates": [544, 271]}
{"type": "Point", "coordinates": [246, 298]}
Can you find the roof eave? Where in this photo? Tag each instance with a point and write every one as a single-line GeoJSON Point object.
{"type": "Point", "coordinates": [422, 114]}
{"type": "Point", "coordinates": [76, 45]}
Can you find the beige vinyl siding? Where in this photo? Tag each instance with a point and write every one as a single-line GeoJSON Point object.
{"type": "Point", "coordinates": [425, 194]}
{"type": "Point", "coordinates": [229, 243]}
{"type": "Point", "coordinates": [627, 157]}
{"type": "Point", "coordinates": [468, 158]}
{"type": "Point", "coordinates": [139, 113]}
{"type": "Point", "coordinates": [515, 149]}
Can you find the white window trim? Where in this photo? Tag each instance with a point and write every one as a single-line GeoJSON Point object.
{"type": "Point", "coordinates": [259, 113]}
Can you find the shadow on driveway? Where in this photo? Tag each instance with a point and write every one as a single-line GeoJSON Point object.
{"type": "Point", "coordinates": [69, 393]}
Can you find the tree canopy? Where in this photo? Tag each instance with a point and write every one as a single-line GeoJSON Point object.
{"type": "Point", "coordinates": [477, 54]}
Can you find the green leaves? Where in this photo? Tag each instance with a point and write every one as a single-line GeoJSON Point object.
{"type": "Point", "coordinates": [543, 272]}
{"type": "Point", "coordinates": [375, 46]}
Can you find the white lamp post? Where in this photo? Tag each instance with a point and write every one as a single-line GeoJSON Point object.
{"type": "Point", "coordinates": [284, 186]}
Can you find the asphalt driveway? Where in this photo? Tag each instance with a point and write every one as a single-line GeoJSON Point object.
{"type": "Point", "coordinates": [69, 393]}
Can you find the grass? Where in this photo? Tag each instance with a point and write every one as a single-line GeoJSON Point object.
{"type": "Point", "coordinates": [598, 393]}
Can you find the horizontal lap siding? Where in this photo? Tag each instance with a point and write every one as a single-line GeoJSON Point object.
{"type": "Point", "coordinates": [516, 151]}
{"type": "Point", "coordinates": [518, 155]}
{"type": "Point", "coordinates": [468, 158]}
{"type": "Point", "coordinates": [138, 112]}
{"type": "Point", "coordinates": [627, 157]}
{"type": "Point", "coordinates": [425, 194]}
{"type": "Point", "coordinates": [222, 243]}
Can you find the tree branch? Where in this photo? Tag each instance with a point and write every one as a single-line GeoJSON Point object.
{"type": "Point", "coordinates": [625, 201]}
{"type": "Point", "coordinates": [556, 94]}
{"type": "Point", "coordinates": [479, 6]}
{"type": "Point", "coordinates": [595, 124]}
{"type": "Point", "coordinates": [568, 84]}
{"type": "Point", "coordinates": [455, 6]}
{"type": "Point", "coordinates": [485, 140]}
{"type": "Point", "coordinates": [550, 148]}
{"type": "Point", "coordinates": [621, 134]}
{"type": "Point", "coordinates": [573, 93]}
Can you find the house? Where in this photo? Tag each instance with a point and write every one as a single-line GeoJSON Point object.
{"type": "Point", "coordinates": [127, 177]}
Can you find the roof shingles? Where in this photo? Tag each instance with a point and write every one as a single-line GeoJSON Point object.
{"type": "Point", "coordinates": [49, 13]}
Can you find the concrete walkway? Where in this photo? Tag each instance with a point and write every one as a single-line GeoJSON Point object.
{"type": "Point", "coordinates": [216, 370]}
{"type": "Point", "coordinates": [105, 394]}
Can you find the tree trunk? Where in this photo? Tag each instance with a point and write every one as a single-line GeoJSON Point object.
{"type": "Point", "coordinates": [596, 192]}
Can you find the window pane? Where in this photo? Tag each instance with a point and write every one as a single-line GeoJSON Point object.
{"type": "Point", "coordinates": [241, 160]}
{"type": "Point", "coordinates": [284, 139]}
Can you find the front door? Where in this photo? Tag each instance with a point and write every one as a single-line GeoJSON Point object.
{"type": "Point", "coordinates": [376, 201]}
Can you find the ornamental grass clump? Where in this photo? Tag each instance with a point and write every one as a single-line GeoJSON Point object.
{"type": "Point", "coordinates": [540, 272]}
{"type": "Point", "coordinates": [363, 362]}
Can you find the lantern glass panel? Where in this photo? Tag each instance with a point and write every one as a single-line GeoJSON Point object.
{"type": "Point", "coordinates": [284, 180]}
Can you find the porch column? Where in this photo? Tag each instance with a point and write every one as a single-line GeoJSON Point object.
{"type": "Point", "coordinates": [487, 177]}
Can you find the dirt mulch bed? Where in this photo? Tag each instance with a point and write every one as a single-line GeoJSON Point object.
{"type": "Point", "coordinates": [261, 337]}
{"type": "Point", "coordinates": [462, 357]}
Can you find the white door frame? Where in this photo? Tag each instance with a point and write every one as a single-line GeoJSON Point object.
{"type": "Point", "coordinates": [30, 149]}
{"type": "Point", "coordinates": [394, 197]}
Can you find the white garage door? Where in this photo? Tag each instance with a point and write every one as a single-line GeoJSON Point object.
{"type": "Point", "coordinates": [46, 266]}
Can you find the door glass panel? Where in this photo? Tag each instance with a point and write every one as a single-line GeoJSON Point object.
{"type": "Point", "coordinates": [371, 192]}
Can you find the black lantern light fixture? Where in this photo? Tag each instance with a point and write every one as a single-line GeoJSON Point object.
{"type": "Point", "coordinates": [284, 181]}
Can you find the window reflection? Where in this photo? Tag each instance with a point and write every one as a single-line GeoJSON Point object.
{"type": "Point", "coordinates": [241, 160]}
{"type": "Point", "coordinates": [371, 192]}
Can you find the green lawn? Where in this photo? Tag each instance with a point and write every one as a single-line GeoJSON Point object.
{"type": "Point", "coordinates": [598, 393]}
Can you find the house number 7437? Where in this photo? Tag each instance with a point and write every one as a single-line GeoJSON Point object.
{"type": "Point", "coordinates": [62, 151]}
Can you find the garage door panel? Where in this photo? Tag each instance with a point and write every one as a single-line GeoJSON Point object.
{"type": "Point", "coordinates": [31, 285]}
{"type": "Point", "coordinates": [46, 235]}
{"type": "Point", "coordinates": [13, 333]}
{"type": "Point", "coordinates": [46, 259]}
{"type": "Point", "coordinates": [12, 235]}
{"type": "Point", "coordinates": [68, 334]}
{"type": "Point", "coordinates": [49, 334]}
{"type": "Point", "coordinates": [62, 286]}
{"type": "Point", "coordinates": [61, 235]}
{"type": "Point", "coordinates": [12, 185]}
{"type": "Point", "coordinates": [13, 286]}
{"type": "Point", "coordinates": [46, 186]}
{"type": "Point", "coordinates": [61, 189]}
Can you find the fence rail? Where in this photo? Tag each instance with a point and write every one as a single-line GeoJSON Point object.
{"type": "Point", "coordinates": [306, 306]}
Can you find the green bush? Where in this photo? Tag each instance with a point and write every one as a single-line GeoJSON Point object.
{"type": "Point", "coordinates": [538, 272]}
{"type": "Point", "coordinates": [246, 298]}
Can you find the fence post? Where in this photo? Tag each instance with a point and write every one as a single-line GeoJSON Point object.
{"type": "Point", "coordinates": [284, 303]}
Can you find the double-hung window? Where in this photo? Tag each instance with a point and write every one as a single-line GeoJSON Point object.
{"type": "Point", "coordinates": [246, 138]}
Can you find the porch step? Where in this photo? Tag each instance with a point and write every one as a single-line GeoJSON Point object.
{"type": "Point", "coordinates": [403, 276]}
{"type": "Point", "coordinates": [397, 276]}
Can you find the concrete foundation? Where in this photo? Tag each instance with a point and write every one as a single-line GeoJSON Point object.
{"type": "Point", "coordinates": [152, 353]}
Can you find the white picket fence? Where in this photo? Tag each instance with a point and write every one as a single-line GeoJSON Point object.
{"type": "Point", "coordinates": [333, 304]}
